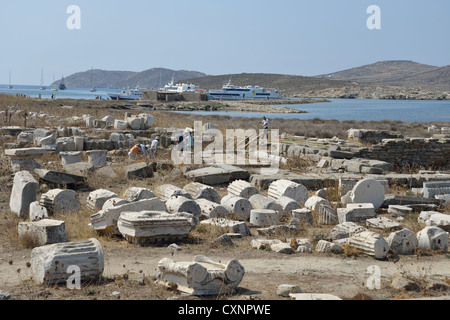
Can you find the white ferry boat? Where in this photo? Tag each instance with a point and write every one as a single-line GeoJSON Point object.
{"type": "Point", "coordinates": [231, 92]}
{"type": "Point", "coordinates": [180, 87]}
{"type": "Point", "coordinates": [130, 94]}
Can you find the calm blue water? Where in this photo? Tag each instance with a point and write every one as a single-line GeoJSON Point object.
{"type": "Point", "coordinates": [359, 110]}
{"type": "Point", "coordinates": [337, 109]}
{"type": "Point", "coordinates": [69, 93]}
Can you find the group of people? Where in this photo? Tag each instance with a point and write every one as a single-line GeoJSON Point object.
{"type": "Point", "coordinates": [142, 150]}
{"type": "Point", "coordinates": [185, 142]}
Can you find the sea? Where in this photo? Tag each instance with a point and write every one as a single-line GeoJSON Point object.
{"type": "Point", "coordinates": [69, 93]}
{"type": "Point", "coordinates": [336, 109]}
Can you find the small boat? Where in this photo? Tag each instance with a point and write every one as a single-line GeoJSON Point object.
{"type": "Point", "coordinates": [129, 94]}
{"type": "Point", "coordinates": [93, 89]}
{"type": "Point", "coordinates": [62, 86]}
{"type": "Point", "coordinates": [10, 86]}
{"type": "Point", "coordinates": [42, 81]}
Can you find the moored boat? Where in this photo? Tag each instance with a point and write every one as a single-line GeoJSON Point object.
{"type": "Point", "coordinates": [232, 92]}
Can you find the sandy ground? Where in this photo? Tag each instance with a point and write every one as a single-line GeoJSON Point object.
{"type": "Point", "coordinates": [339, 275]}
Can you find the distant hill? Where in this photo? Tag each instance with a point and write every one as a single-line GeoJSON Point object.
{"type": "Point", "coordinates": [151, 78]}
{"type": "Point", "coordinates": [288, 85]}
{"type": "Point", "coordinates": [316, 87]}
{"type": "Point", "coordinates": [397, 73]}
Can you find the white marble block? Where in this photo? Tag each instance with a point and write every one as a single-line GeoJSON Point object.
{"type": "Point", "coordinates": [105, 221]}
{"type": "Point", "coordinates": [23, 193]}
{"type": "Point", "coordinates": [45, 231]}
{"type": "Point", "coordinates": [148, 227]}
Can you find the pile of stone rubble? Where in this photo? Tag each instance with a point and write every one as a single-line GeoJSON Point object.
{"type": "Point", "coordinates": [277, 205]}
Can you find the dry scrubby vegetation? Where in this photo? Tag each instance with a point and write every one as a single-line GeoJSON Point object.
{"type": "Point", "coordinates": [201, 239]}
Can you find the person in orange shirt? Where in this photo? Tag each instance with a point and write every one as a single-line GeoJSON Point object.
{"type": "Point", "coordinates": [134, 152]}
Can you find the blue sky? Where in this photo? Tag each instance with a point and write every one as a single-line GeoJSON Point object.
{"type": "Point", "coordinates": [216, 36]}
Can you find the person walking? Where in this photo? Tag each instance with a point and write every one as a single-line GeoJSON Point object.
{"type": "Point", "coordinates": [154, 147]}
{"type": "Point", "coordinates": [265, 124]}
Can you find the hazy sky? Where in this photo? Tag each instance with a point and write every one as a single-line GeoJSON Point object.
{"type": "Point", "coordinates": [295, 37]}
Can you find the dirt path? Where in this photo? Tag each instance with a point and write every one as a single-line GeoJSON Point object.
{"type": "Point", "coordinates": [342, 276]}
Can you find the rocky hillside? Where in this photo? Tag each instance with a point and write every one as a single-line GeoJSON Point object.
{"type": "Point", "coordinates": [314, 87]}
{"type": "Point", "coordinates": [397, 73]}
{"type": "Point", "coordinates": [151, 78]}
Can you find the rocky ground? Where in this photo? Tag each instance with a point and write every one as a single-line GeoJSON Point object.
{"type": "Point", "coordinates": [130, 269]}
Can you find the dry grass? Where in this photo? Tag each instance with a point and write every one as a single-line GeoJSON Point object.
{"type": "Point", "coordinates": [202, 238]}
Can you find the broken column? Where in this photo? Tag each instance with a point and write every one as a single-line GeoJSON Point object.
{"type": "Point", "coordinates": [202, 191]}
{"type": "Point", "coordinates": [166, 191]}
{"type": "Point", "coordinates": [368, 191]}
{"type": "Point", "coordinates": [432, 238]}
{"type": "Point", "coordinates": [23, 193]}
{"type": "Point", "coordinates": [288, 205]}
{"type": "Point", "coordinates": [264, 217]}
{"type": "Point", "coordinates": [60, 201]}
{"type": "Point", "coordinates": [183, 204]}
{"type": "Point", "coordinates": [288, 188]}
{"type": "Point", "coordinates": [53, 264]}
{"type": "Point", "coordinates": [211, 209]}
{"type": "Point", "coordinates": [136, 194]}
{"type": "Point", "coordinates": [202, 276]}
{"type": "Point", "coordinates": [370, 243]}
{"type": "Point", "coordinates": [237, 206]}
{"type": "Point", "coordinates": [327, 215]}
{"type": "Point", "coordinates": [259, 201]}
{"type": "Point", "coordinates": [314, 202]}
{"type": "Point", "coordinates": [97, 198]}
{"type": "Point", "coordinates": [241, 188]}
{"type": "Point", "coordinates": [403, 241]}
